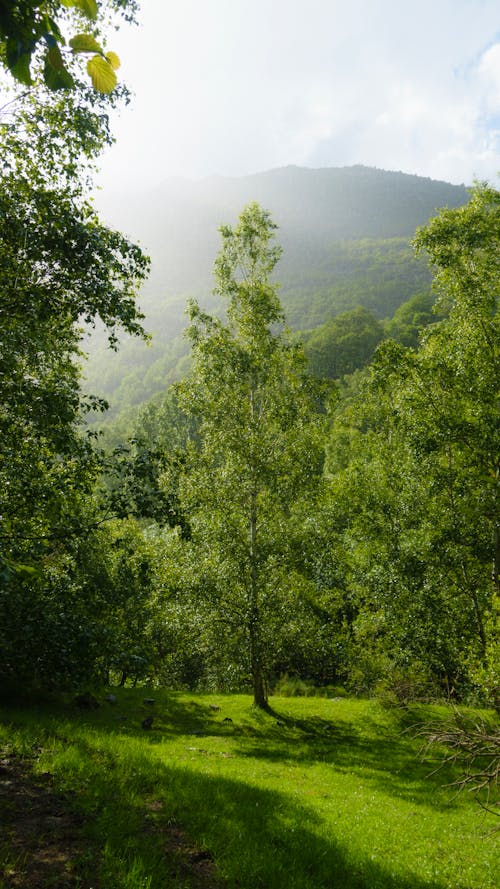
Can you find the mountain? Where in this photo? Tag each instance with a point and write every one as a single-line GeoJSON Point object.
{"type": "Point", "coordinates": [345, 233]}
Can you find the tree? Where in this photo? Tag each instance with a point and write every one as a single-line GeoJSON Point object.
{"type": "Point", "coordinates": [259, 446]}
{"type": "Point", "coordinates": [344, 344]}
{"type": "Point", "coordinates": [59, 266]}
{"type": "Point", "coordinates": [463, 357]}
{"type": "Point", "coordinates": [414, 464]}
{"type": "Point", "coordinates": [155, 446]}
{"type": "Point", "coordinates": [411, 318]}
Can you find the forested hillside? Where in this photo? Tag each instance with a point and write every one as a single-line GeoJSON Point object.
{"type": "Point", "coordinates": [374, 565]}
{"type": "Point", "coordinates": [345, 234]}
{"type": "Point", "coordinates": [328, 510]}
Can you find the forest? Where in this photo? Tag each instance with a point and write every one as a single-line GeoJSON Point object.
{"type": "Point", "coordinates": [306, 512]}
{"type": "Point", "coordinates": [351, 515]}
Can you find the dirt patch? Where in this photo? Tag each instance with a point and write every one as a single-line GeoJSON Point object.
{"type": "Point", "coordinates": [191, 864]}
{"type": "Point", "coordinates": [42, 843]}
{"type": "Point", "coordinates": [41, 836]}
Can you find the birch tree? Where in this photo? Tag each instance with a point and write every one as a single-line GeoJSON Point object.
{"type": "Point", "coordinates": [259, 448]}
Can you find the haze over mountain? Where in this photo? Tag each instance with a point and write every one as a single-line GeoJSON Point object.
{"type": "Point", "coordinates": [344, 231]}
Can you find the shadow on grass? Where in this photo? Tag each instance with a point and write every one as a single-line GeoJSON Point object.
{"type": "Point", "coordinates": [384, 755]}
{"type": "Point", "coordinates": [258, 838]}
{"type": "Point", "coordinates": [395, 763]}
{"type": "Point", "coordinates": [261, 838]}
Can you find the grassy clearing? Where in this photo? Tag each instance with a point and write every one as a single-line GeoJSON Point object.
{"type": "Point", "coordinates": [323, 793]}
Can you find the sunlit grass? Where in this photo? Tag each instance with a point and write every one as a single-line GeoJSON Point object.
{"type": "Point", "coordinates": [319, 793]}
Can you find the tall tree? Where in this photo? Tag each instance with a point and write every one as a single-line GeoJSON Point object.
{"type": "Point", "coordinates": [259, 444]}
{"type": "Point", "coordinates": [59, 266]}
{"type": "Point", "coordinates": [462, 363]}
{"type": "Point", "coordinates": [418, 457]}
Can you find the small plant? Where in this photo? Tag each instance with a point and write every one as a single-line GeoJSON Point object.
{"type": "Point", "coordinates": [407, 684]}
{"type": "Point", "coordinates": [294, 687]}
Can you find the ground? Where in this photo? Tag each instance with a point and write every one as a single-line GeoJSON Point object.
{"type": "Point", "coordinates": [45, 836]}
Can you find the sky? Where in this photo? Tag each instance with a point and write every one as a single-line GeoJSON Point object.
{"type": "Point", "coordinates": [234, 87]}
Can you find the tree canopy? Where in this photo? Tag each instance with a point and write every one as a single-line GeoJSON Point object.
{"type": "Point", "coordinates": [59, 268]}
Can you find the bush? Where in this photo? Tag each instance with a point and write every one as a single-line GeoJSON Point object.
{"type": "Point", "coordinates": [407, 684]}
{"type": "Point", "coordinates": [295, 687]}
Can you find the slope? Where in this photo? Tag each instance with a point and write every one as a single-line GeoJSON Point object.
{"type": "Point", "coordinates": [345, 234]}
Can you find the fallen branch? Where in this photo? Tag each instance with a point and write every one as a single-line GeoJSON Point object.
{"type": "Point", "coordinates": [473, 746]}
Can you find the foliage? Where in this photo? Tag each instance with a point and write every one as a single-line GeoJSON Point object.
{"type": "Point", "coordinates": [259, 449]}
{"type": "Point", "coordinates": [155, 447]}
{"type": "Point", "coordinates": [31, 33]}
{"type": "Point", "coordinates": [125, 581]}
{"type": "Point", "coordinates": [411, 318]}
{"type": "Point", "coordinates": [294, 687]}
{"type": "Point", "coordinates": [59, 266]}
{"type": "Point", "coordinates": [414, 475]}
{"type": "Point", "coordinates": [344, 344]}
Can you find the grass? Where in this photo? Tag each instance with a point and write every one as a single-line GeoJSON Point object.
{"type": "Point", "coordinates": [320, 793]}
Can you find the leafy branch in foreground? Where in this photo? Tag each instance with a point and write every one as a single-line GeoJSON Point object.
{"type": "Point", "coordinates": [31, 34]}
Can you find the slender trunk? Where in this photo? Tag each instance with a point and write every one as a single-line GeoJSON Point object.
{"type": "Point", "coordinates": [495, 574]}
{"type": "Point", "coordinates": [469, 588]}
{"type": "Point", "coordinates": [259, 687]}
{"type": "Point", "coordinates": [480, 622]}
{"type": "Point", "coordinates": [496, 569]}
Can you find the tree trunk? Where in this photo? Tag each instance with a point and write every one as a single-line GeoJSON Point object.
{"type": "Point", "coordinates": [259, 685]}
{"type": "Point", "coordinates": [496, 550]}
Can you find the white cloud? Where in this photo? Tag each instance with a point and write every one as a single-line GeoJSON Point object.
{"type": "Point", "coordinates": [488, 71]}
{"type": "Point", "coordinates": [236, 86]}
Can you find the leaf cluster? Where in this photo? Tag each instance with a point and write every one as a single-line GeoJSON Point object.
{"type": "Point", "coordinates": [31, 34]}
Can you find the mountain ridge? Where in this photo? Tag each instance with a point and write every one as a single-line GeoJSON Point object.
{"type": "Point", "coordinates": [345, 235]}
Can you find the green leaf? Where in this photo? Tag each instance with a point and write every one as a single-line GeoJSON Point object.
{"type": "Point", "coordinates": [55, 58]}
{"type": "Point", "coordinates": [28, 570]}
{"type": "Point", "coordinates": [84, 43]}
{"type": "Point", "coordinates": [113, 60]}
{"type": "Point", "coordinates": [54, 29]}
{"type": "Point", "coordinates": [56, 76]}
{"type": "Point", "coordinates": [18, 61]}
{"type": "Point", "coordinates": [102, 75]}
{"type": "Point", "coordinates": [88, 7]}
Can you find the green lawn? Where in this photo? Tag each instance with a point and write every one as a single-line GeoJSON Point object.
{"type": "Point", "coordinates": [324, 793]}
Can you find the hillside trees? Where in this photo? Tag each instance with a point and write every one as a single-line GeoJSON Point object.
{"type": "Point", "coordinates": [414, 461]}
{"type": "Point", "coordinates": [411, 317]}
{"type": "Point", "coordinates": [344, 344]}
{"type": "Point", "coordinates": [59, 266]}
{"type": "Point", "coordinates": [259, 450]}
